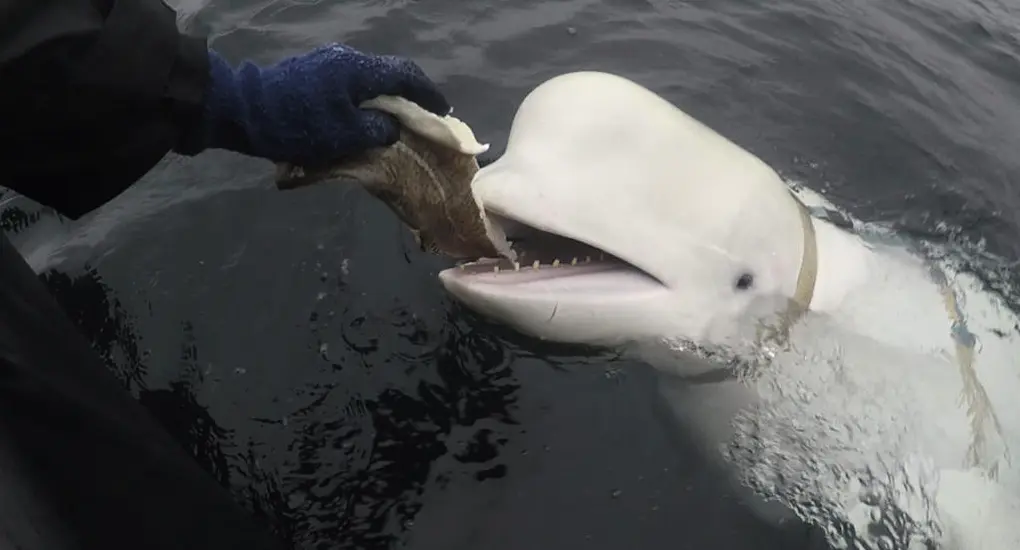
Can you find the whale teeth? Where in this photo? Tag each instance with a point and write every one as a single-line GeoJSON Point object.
{"type": "Point", "coordinates": [503, 265]}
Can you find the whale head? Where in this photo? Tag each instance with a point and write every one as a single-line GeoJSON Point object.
{"type": "Point", "coordinates": [631, 221]}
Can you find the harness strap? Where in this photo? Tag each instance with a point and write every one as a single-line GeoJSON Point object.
{"type": "Point", "coordinates": [804, 291]}
{"type": "Point", "coordinates": [979, 406]}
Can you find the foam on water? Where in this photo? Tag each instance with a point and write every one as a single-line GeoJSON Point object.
{"type": "Point", "coordinates": [834, 444]}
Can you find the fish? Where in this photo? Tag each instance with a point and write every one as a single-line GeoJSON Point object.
{"type": "Point", "coordinates": [424, 178]}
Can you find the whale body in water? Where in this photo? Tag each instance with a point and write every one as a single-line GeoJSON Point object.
{"type": "Point", "coordinates": [816, 363]}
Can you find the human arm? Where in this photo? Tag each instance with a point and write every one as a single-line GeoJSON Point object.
{"type": "Point", "coordinates": [95, 93]}
{"type": "Point", "coordinates": [304, 109]}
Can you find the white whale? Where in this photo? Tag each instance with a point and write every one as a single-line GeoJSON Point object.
{"type": "Point", "coordinates": [639, 227]}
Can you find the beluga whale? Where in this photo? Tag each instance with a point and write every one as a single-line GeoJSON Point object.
{"type": "Point", "coordinates": [822, 365]}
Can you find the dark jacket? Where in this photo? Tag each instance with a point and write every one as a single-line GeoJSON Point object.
{"type": "Point", "coordinates": [92, 94]}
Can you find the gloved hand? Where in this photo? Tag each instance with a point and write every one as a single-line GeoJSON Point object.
{"type": "Point", "coordinates": [304, 110]}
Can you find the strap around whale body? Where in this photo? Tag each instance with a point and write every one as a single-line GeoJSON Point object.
{"type": "Point", "coordinates": [804, 291]}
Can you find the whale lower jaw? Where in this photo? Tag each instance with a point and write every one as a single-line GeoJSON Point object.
{"type": "Point", "coordinates": [505, 278]}
{"type": "Point", "coordinates": [547, 262]}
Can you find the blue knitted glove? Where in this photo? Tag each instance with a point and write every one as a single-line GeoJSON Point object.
{"type": "Point", "coordinates": [304, 110]}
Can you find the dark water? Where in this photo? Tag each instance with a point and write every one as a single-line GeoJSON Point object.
{"type": "Point", "coordinates": [301, 347]}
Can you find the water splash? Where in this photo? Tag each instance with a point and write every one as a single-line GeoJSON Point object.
{"type": "Point", "coordinates": [839, 455]}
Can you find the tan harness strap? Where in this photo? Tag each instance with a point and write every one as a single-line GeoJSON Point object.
{"type": "Point", "coordinates": [979, 406]}
{"type": "Point", "coordinates": [804, 290]}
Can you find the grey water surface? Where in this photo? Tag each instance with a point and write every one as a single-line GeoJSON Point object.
{"type": "Point", "coordinates": [300, 346]}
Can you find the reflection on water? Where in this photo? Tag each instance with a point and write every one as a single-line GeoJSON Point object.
{"type": "Point", "coordinates": [355, 475]}
{"type": "Point", "coordinates": [100, 316]}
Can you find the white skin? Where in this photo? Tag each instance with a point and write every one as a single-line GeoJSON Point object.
{"type": "Point", "coordinates": [600, 160]}
{"type": "Point", "coordinates": [705, 237]}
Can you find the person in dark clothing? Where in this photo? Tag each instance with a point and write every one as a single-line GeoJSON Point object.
{"type": "Point", "coordinates": [93, 93]}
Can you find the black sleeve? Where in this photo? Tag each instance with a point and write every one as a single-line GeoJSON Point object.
{"type": "Point", "coordinates": [94, 94]}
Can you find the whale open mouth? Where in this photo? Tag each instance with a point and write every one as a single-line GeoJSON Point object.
{"type": "Point", "coordinates": [544, 256]}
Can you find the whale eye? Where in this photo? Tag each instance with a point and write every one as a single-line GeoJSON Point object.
{"type": "Point", "coordinates": [745, 281]}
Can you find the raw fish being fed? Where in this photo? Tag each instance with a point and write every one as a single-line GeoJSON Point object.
{"type": "Point", "coordinates": [425, 178]}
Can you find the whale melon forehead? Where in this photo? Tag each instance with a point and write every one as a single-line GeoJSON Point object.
{"type": "Point", "coordinates": [595, 119]}
{"type": "Point", "coordinates": [583, 141]}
